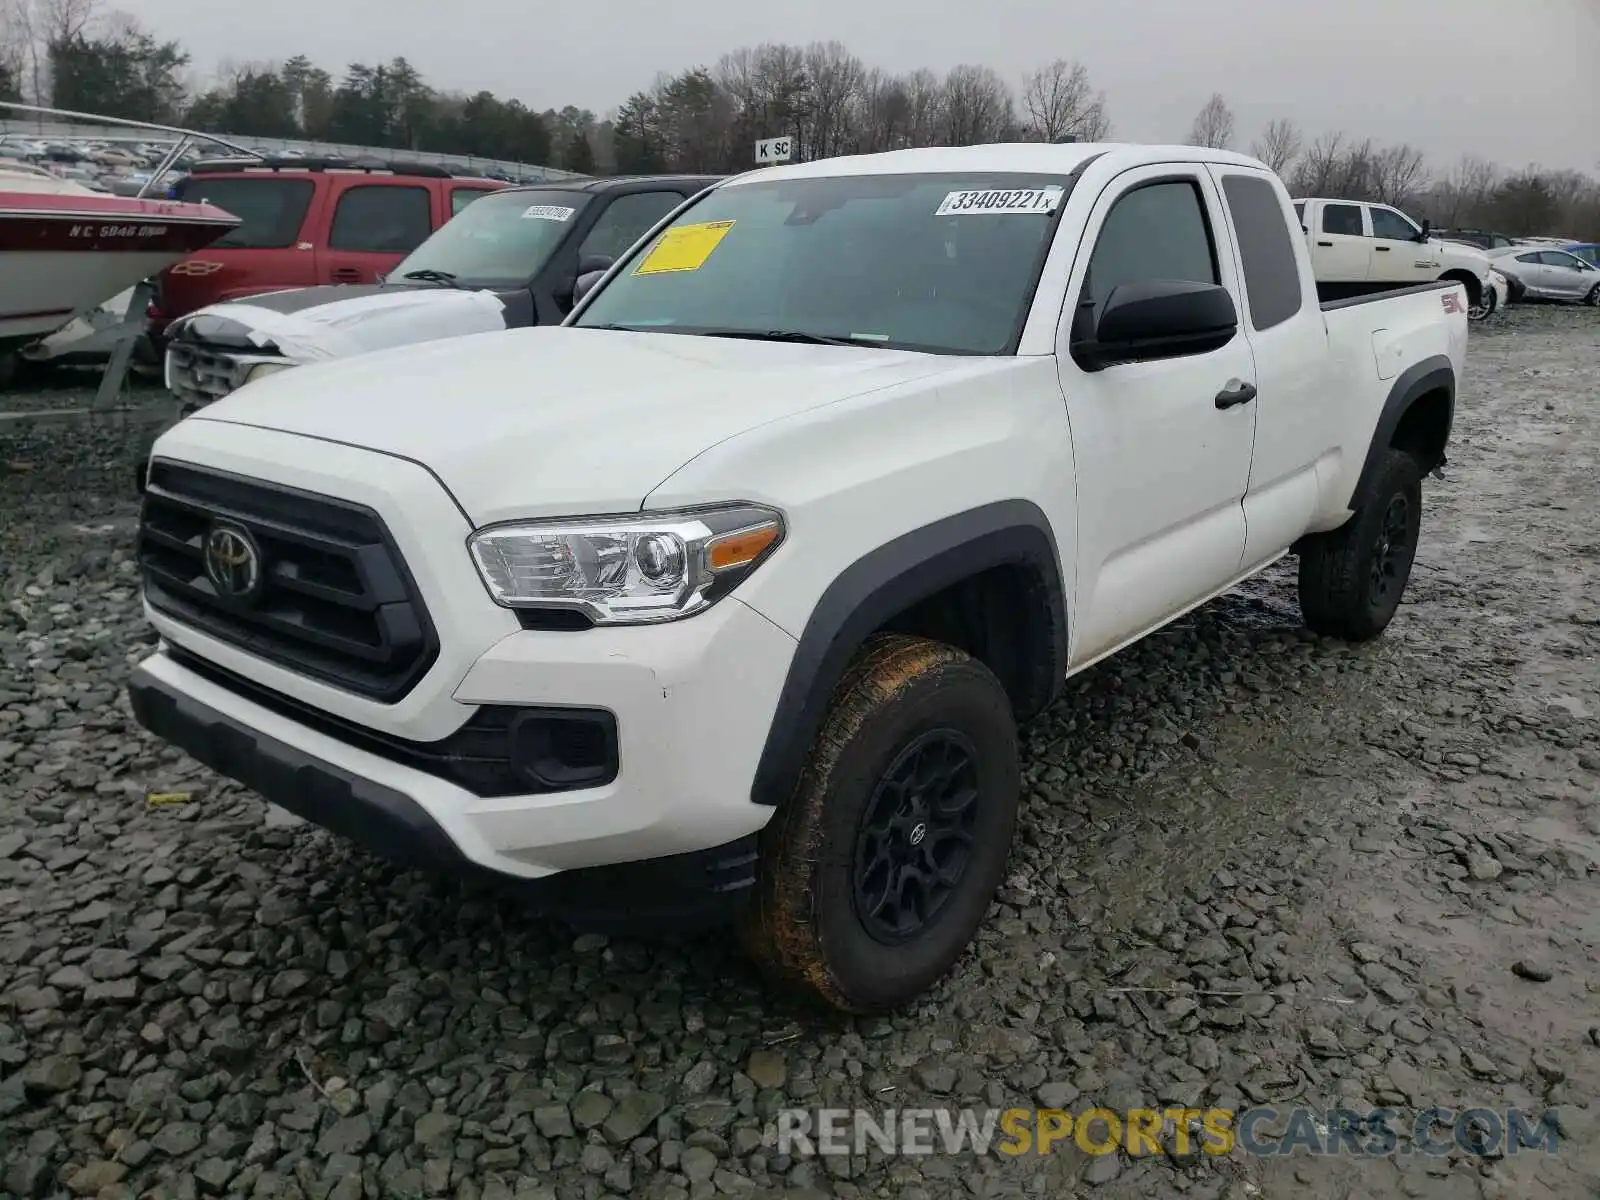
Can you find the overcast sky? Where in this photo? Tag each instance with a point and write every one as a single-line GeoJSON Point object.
{"type": "Point", "coordinates": [1517, 81]}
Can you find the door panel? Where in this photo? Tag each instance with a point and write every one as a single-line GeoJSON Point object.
{"type": "Point", "coordinates": [1339, 244]}
{"type": "Point", "coordinates": [1566, 276]}
{"type": "Point", "coordinates": [375, 223]}
{"type": "Point", "coordinates": [1298, 421]}
{"type": "Point", "coordinates": [1161, 470]}
{"type": "Point", "coordinates": [1396, 255]}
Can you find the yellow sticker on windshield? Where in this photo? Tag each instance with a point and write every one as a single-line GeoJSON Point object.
{"type": "Point", "coordinates": [684, 248]}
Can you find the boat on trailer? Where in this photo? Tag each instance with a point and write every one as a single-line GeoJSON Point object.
{"type": "Point", "coordinates": [67, 251]}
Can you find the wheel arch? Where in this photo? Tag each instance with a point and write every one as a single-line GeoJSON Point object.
{"type": "Point", "coordinates": [992, 574]}
{"type": "Point", "coordinates": [1468, 280]}
{"type": "Point", "coordinates": [1416, 417]}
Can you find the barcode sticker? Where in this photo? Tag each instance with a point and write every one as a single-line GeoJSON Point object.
{"type": "Point", "coordinates": [547, 212]}
{"type": "Point", "coordinates": [1000, 201]}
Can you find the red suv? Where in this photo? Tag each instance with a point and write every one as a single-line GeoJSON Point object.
{"type": "Point", "coordinates": [306, 222]}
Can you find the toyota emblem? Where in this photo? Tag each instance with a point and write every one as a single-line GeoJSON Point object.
{"type": "Point", "coordinates": [233, 562]}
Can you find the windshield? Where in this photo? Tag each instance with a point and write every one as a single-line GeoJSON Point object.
{"type": "Point", "coordinates": [502, 238]}
{"type": "Point", "coordinates": [270, 208]}
{"type": "Point", "coordinates": [944, 263]}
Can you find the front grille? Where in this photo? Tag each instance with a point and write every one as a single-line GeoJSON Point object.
{"type": "Point", "coordinates": [199, 375]}
{"type": "Point", "coordinates": [335, 601]}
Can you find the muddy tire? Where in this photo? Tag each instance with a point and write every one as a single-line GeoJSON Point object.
{"type": "Point", "coordinates": [1352, 578]}
{"type": "Point", "coordinates": [878, 871]}
{"type": "Point", "coordinates": [10, 367]}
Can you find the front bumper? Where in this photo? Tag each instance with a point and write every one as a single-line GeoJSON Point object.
{"type": "Point", "coordinates": [677, 890]}
{"type": "Point", "coordinates": [692, 702]}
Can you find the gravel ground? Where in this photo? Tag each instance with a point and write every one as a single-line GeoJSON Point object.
{"type": "Point", "coordinates": [1392, 852]}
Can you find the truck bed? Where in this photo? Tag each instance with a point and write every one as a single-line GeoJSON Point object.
{"type": "Point", "coordinates": [1379, 292]}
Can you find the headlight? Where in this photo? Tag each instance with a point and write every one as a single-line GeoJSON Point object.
{"type": "Point", "coordinates": [262, 370]}
{"type": "Point", "coordinates": [626, 570]}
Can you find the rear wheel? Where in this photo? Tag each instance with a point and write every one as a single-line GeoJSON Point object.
{"type": "Point", "coordinates": [1593, 298]}
{"type": "Point", "coordinates": [1352, 578]}
{"type": "Point", "coordinates": [879, 870]}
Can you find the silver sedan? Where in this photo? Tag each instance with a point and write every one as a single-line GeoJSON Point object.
{"type": "Point", "coordinates": [1543, 273]}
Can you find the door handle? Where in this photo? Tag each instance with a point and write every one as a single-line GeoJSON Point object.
{"type": "Point", "coordinates": [1239, 393]}
{"type": "Point", "coordinates": [1328, 244]}
{"type": "Point", "coordinates": [348, 275]}
{"type": "Point", "coordinates": [1383, 249]}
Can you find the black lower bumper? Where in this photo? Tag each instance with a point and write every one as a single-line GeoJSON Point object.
{"type": "Point", "coordinates": [688, 889]}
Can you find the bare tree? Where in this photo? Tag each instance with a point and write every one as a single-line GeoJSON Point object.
{"type": "Point", "coordinates": [1314, 171]}
{"type": "Point", "coordinates": [836, 77]}
{"type": "Point", "coordinates": [14, 41]}
{"type": "Point", "coordinates": [1058, 101]}
{"type": "Point", "coordinates": [1397, 174]}
{"type": "Point", "coordinates": [1463, 194]}
{"type": "Point", "coordinates": [1213, 124]}
{"type": "Point", "coordinates": [882, 119]}
{"type": "Point", "coordinates": [927, 100]}
{"type": "Point", "coordinates": [978, 106]}
{"type": "Point", "coordinates": [1279, 145]}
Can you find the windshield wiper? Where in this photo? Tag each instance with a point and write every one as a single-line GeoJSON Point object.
{"type": "Point", "coordinates": [429, 275]}
{"type": "Point", "coordinates": [789, 335]}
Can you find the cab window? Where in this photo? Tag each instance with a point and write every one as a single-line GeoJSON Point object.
{"type": "Point", "coordinates": [626, 220]}
{"type": "Point", "coordinates": [1390, 225]}
{"type": "Point", "coordinates": [1342, 219]}
{"type": "Point", "coordinates": [1158, 231]}
{"type": "Point", "coordinates": [382, 219]}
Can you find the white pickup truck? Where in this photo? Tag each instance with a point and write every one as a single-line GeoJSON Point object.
{"type": "Point", "coordinates": [1359, 248]}
{"type": "Point", "coordinates": [728, 594]}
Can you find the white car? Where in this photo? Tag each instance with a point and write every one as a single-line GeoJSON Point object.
{"type": "Point", "coordinates": [727, 594]}
{"type": "Point", "coordinates": [1546, 273]}
{"type": "Point", "coordinates": [1358, 248]}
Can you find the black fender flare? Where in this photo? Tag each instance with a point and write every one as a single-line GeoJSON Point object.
{"type": "Point", "coordinates": [1432, 374]}
{"type": "Point", "coordinates": [888, 581]}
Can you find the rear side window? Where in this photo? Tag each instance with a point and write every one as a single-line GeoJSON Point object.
{"type": "Point", "coordinates": [271, 209]}
{"type": "Point", "coordinates": [1271, 274]}
{"type": "Point", "coordinates": [381, 219]}
{"type": "Point", "coordinates": [1157, 231]}
{"type": "Point", "coordinates": [1300, 213]}
{"type": "Point", "coordinates": [1532, 259]}
{"type": "Point", "coordinates": [1342, 219]}
{"type": "Point", "coordinates": [626, 221]}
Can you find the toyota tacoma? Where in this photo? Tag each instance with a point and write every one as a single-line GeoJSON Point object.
{"type": "Point", "coordinates": [727, 596]}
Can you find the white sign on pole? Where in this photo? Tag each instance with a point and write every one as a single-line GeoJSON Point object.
{"type": "Point", "coordinates": [774, 150]}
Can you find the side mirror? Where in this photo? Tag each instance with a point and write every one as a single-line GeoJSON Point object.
{"type": "Point", "coordinates": [590, 263]}
{"type": "Point", "coordinates": [1158, 318]}
{"type": "Point", "coordinates": [1427, 228]}
{"type": "Point", "coordinates": [586, 284]}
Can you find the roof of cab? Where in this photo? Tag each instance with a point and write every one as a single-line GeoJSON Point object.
{"type": "Point", "coordinates": [620, 183]}
{"type": "Point", "coordinates": [1044, 158]}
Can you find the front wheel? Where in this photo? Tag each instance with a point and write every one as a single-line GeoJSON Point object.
{"type": "Point", "coordinates": [1352, 578]}
{"type": "Point", "coordinates": [1593, 298]}
{"type": "Point", "coordinates": [878, 871]}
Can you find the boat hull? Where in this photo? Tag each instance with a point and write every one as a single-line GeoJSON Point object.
{"type": "Point", "coordinates": [64, 255]}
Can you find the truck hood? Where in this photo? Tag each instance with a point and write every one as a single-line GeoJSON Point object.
{"type": "Point", "coordinates": [562, 421]}
{"type": "Point", "coordinates": [1459, 254]}
{"type": "Point", "coordinates": [308, 325]}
